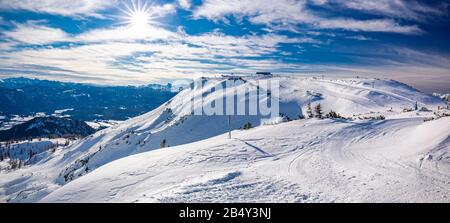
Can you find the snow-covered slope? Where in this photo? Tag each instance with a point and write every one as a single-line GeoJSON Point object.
{"type": "Point", "coordinates": [210, 161]}
{"type": "Point", "coordinates": [175, 123]}
{"type": "Point", "coordinates": [30, 151]}
{"type": "Point", "coordinates": [405, 160]}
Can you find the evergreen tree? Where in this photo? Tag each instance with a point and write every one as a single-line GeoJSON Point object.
{"type": "Point", "coordinates": [318, 111]}
{"type": "Point", "coordinates": [247, 125]}
{"type": "Point", "coordinates": [309, 111]}
{"type": "Point", "coordinates": [164, 143]}
{"type": "Point", "coordinates": [30, 154]}
{"type": "Point", "coordinates": [333, 114]}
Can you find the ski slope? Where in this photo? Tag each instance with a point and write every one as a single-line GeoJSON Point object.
{"type": "Point", "coordinates": [298, 161]}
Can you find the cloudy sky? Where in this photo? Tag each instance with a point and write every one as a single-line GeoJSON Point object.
{"type": "Point", "coordinates": [136, 42]}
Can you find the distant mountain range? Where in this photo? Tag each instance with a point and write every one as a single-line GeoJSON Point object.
{"type": "Point", "coordinates": [28, 97]}
{"type": "Point", "coordinates": [45, 127]}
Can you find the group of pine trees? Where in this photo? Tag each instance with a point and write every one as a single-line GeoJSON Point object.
{"type": "Point", "coordinates": [318, 113]}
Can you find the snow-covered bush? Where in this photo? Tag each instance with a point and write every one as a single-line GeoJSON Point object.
{"type": "Point", "coordinates": [273, 121]}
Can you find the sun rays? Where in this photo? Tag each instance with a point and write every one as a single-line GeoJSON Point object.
{"type": "Point", "coordinates": [138, 15]}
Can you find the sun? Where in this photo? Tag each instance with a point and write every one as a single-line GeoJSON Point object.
{"type": "Point", "coordinates": [137, 15]}
{"type": "Point", "coordinates": [139, 19]}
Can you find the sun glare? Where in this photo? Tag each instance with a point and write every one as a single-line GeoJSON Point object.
{"type": "Point", "coordinates": [139, 19]}
{"type": "Point", "coordinates": [138, 15]}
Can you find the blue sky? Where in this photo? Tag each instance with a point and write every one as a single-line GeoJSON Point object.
{"type": "Point", "coordinates": [136, 42]}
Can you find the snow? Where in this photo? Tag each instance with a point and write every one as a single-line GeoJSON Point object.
{"type": "Point", "coordinates": [299, 161]}
{"type": "Point", "coordinates": [443, 96]}
{"type": "Point", "coordinates": [20, 119]}
{"type": "Point", "coordinates": [398, 159]}
{"type": "Point", "coordinates": [59, 112]}
{"type": "Point", "coordinates": [174, 122]}
{"type": "Point", "coordinates": [32, 182]}
{"type": "Point", "coordinates": [15, 120]}
{"type": "Point", "coordinates": [21, 150]}
{"type": "Point", "coordinates": [99, 124]}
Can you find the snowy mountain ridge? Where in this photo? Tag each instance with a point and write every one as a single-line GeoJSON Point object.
{"type": "Point", "coordinates": [46, 127]}
{"type": "Point", "coordinates": [187, 135]}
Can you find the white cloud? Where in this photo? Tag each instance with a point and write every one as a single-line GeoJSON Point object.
{"type": "Point", "coordinates": [249, 45]}
{"type": "Point", "coordinates": [124, 33]}
{"type": "Point", "coordinates": [116, 55]}
{"type": "Point", "coordinates": [34, 33]}
{"type": "Point", "coordinates": [259, 11]}
{"type": "Point", "coordinates": [38, 33]}
{"type": "Point", "coordinates": [375, 25]}
{"type": "Point", "coordinates": [185, 4]}
{"type": "Point", "coordinates": [359, 37]}
{"type": "Point", "coordinates": [319, 2]}
{"type": "Point", "coordinates": [407, 9]}
{"type": "Point", "coordinates": [7, 46]}
{"type": "Point", "coordinates": [162, 10]}
{"type": "Point", "coordinates": [58, 7]}
{"type": "Point", "coordinates": [91, 61]}
{"type": "Point", "coordinates": [208, 54]}
{"type": "Point", "coordinates": [285, 13]}
{"type": "Point", "coordinates": [110, 55]}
